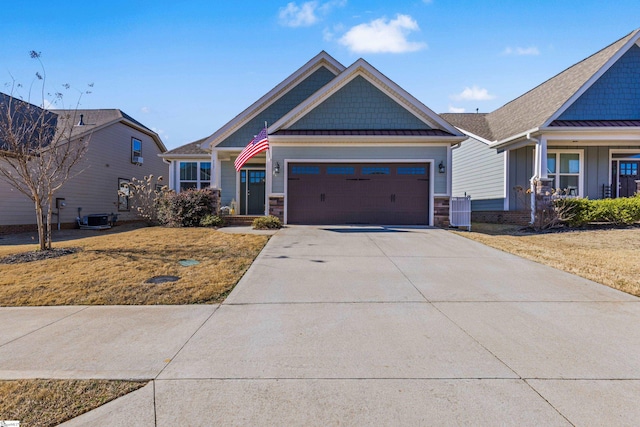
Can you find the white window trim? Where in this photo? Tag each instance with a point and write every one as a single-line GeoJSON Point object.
{"type": "Point", "coordinates": [198, 181]}
{"type": "Point", "coordinates": [630, 151]}
{"type": "Point", "coordinates": [557, 174]}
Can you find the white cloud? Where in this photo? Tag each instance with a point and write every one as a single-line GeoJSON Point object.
{"type": "Point", "coordinates": [383, 36]}
{"type": "Point", "coordinates": [521, 51]}
{"type": "Point", "coordinates": [330, 5]}
{"type": "Point", "coordinates": [453, 109]}
{"type": "Point", "coordinates": [145, 110]}
{"type": "Point", "coordinates": [293, 15]}
{"type": "Point", "coordinates": [473, 93]}
{"type": "Point", "coordinates": [306, 14]}
{"type": "Point", "coordinates": [328, 34]}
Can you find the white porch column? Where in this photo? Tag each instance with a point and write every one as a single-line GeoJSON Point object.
{"type": "Point", "coordinates": [267, 185]}
{"type": "Point", "coordinates": [217, 173]}
{"type": "Point", "coordinates": [543, 156]}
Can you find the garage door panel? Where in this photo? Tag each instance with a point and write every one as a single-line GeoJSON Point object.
{"type": "Point", "coordinates": [359, 193]}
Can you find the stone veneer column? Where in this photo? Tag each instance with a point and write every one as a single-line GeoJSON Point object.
{"type": "Point", "coordinates": [216, 200]}
{"type": "Point", "coordinates": [441, 211]}
{"type": "Point", "coordinates": [543, 199]}
{"type": "Point", "coordinates": [276, 207]}
{"type": "Point", "coordinates": [637, 186]}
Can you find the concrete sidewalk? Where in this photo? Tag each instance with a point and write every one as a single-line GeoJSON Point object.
{"type": "Point", "coordinates": [356, 326]}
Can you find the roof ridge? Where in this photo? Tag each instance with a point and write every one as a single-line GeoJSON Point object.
{"type": "Point", "coordinates": [536, 106]}
{"type": "Point", "coordinates": [572, 67]}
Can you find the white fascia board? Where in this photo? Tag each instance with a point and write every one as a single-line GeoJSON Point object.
{"type": "Point", "coordinates": [633, 40]}
{"type": "Point", "coordinates": [322, 59]}
{"type": "Point", "coordinates": [364, 69]}
{"type": "Point", "coordinates": [594, 134]}
{"type": "Point", "coordinates": [184, 156]}
{"type": "Point", "coordinates": [474, 136]}
{"type": "Point", "coordinates": [514, 140]}
{"type": "Point", "coordinates": [315, 140]}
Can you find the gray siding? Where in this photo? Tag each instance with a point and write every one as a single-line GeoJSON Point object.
{"type": "Point", "coordinates": [438, 154]}
{"type": "Point", "coordinates": [359, 105]}
{"type": "Point", "coordinates": [279, 108]}
{"type": "Point", "coordinates": [95, 188]}
{"type": "Point", "coordinates": [228, 183]}
{"type": "Point", "coordinates": [487, 205]}
{"type": "Point", "coordinates": [478, 171]}
{"type": "Point", "coordinates": [520, 173]}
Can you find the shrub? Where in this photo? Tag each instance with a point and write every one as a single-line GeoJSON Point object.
{"type": "Point", "coordinates": [267, 222]}
{"type": "Point", "coordinates": [145, 195]}
{"type": "Point", "coordinates": [211, 221]}
{"type": "Point", "coordinates": [620, 211]}
{"type": "Point", "coordinates": [187, 208]}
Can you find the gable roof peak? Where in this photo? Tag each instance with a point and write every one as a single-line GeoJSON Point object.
{"type": "Point", "coordinates": [538, 106]}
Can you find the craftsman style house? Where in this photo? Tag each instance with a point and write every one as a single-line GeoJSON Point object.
{"type": "Point", "coordinates": [578, 133]}
{"type": "Point", "coordinates": [347, 146]}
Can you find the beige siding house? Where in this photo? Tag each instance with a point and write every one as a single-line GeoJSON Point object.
{"type": "Point", "coordinates": [119, 149]}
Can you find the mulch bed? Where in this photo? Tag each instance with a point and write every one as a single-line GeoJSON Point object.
{"type": "Point", "coordinates": [38, 255]}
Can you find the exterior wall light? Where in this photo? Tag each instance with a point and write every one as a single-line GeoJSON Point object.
{"type": "Point", "coordinates": [441, 167]}
{"type": "Point", "coordinates": [276, 169]}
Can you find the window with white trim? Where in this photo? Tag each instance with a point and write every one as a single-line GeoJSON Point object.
{"type": "Point", "coordinates": [195, 175]}
{"type": "Point", "coordinates": [136, 150]}
{"type": "Point", "coordinates": [565, 169]}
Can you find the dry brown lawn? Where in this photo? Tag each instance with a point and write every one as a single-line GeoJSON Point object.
{"type": "Point", "coordinates": [111, 268]}
{"type": "Point", "coordinates": [607, 256]}
{"type": "Point", "coordinates": [43, 403]}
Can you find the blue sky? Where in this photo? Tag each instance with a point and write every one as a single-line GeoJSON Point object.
{"type": "Point", "coordinates": [184, 68]}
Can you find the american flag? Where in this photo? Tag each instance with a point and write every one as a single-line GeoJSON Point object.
{"type": "Point", "coordinates": [258, 144]}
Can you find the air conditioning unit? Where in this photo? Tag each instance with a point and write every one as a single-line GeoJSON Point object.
{"type": "Point", "coordinates": [138, 160]}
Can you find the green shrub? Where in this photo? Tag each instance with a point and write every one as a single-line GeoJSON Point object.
{"type": "Point", "coordinates": [211, 221]}
{"type": "Point", "coordinates": [187, 208]}
{"type": "Point", "coordinates": [620, 211]}
{"type": "Point", "coordinates": [267, 222]}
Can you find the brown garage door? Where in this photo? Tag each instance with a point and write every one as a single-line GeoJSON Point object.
{"type": "Point", "coordinates": [358, 193]}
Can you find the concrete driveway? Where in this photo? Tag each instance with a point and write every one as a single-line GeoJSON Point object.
{"type": "Point", "coordinates": [359, 326]}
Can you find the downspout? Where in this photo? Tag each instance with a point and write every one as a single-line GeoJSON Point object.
{"type": "Point", "coordinates": [536, 175]}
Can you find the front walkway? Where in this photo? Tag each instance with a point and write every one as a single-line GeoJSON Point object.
{"type": "Point", "coordinates": [356, 326]}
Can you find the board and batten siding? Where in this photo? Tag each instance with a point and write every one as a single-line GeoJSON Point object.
{"type": "Point", "coordinates": [94, 188]}
{"type": "Point", "coordinates": [478, 171]}
{"type": "Point", "coordinates": [361, 154]}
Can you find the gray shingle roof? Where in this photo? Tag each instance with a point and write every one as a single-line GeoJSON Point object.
{"type": "Point", "coordinates": [190, 148]}
{"type": "Point", "coordinates": [476, 123]}
{"type": "Point", "coordinates": [537, 106]}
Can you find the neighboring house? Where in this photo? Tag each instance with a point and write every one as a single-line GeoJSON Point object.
{"type": "Point", "coordinates": [577, 133]}
{"type": "Point", "coordinates": [119, 149]}
{"type": "Point", "coordinates": [348, 146]}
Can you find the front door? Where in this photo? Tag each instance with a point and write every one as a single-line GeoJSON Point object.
{"type": "Point", "coordinates": [628, 175]}
{"type": "Point", "coordinates": [252, 191]}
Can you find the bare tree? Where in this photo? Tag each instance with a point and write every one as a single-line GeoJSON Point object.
{"type": "Point", "coordinates": [38, 151]}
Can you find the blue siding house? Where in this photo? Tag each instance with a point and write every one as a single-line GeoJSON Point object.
{"type": "Point", "coordinates": [577, 133]}
{"type": "Point", "coordinates": [347, 146]}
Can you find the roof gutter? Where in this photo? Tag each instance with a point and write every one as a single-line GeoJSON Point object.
{"type": "Point", "coordinates": [512, 139]}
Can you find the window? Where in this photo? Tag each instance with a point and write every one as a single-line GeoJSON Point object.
{"type": "Point", "coordinates": [195, 175]}
{"type": "Point", "coordinates": [565, 169]}
{"type": "Point", "coordinates": [341, 170]}
{"type": "Point", "coordinates": [377, 170]}
{"type": "Point", "coordinates": [410, 170]}
{"type": "Point", "coordinates": [305, 170]}
{"type": "Point", "coordinates": [136, 150]}
{"type": "Point", "coordinates": [123, 194]}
